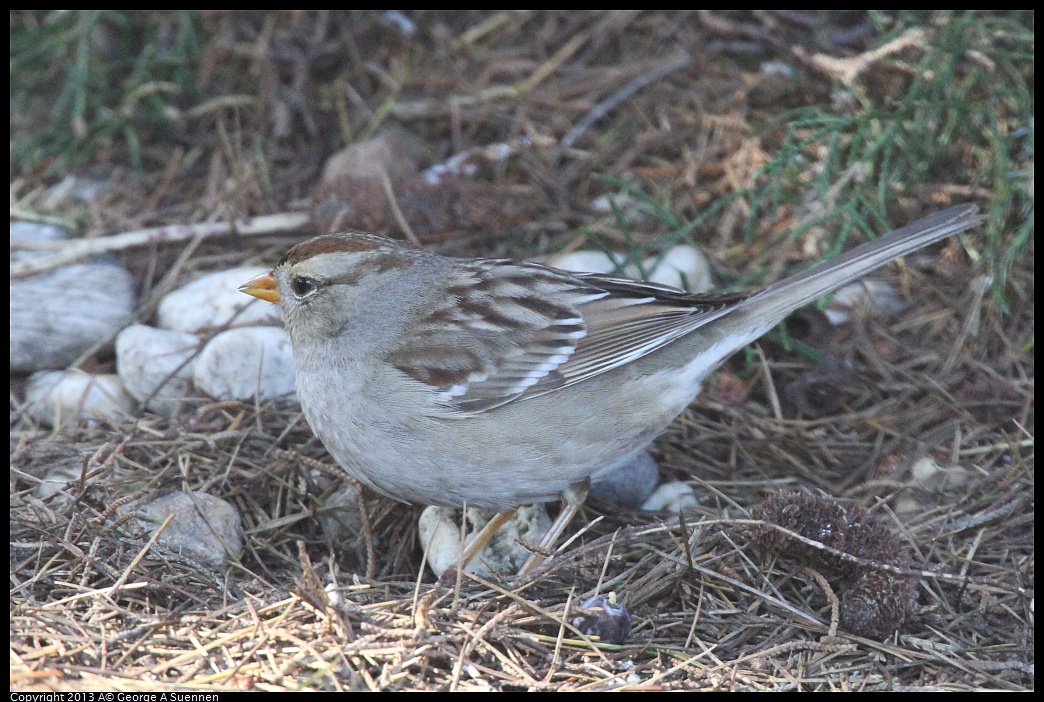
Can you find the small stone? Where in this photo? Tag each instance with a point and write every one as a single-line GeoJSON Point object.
{"type": "Point", "coordinates": [34, 232]}
{"type": "Point", "coordinates": [622, 205]}
{"type": "Point", "coordinates": [923, 471]}
{"type": "Point", "coordinates": [439, 529]}
{"type": "Point", "coordinates": [214, 302]}
{"type": "Point", "coordinates": [37, 459]}
{"type": "Point", "coordinates": [399, 20]}
{"type": "Point", "coordinates": [58, 315]}
{"type": "Point", "coordinates": [628, 484]}
{"type": "Point", "coordinates": [869, 295]}
{"type": "Point", "coordinates": [779, 68]}
{"type": "Point", "coordinates": [683, 266]}
{"type": "Point", "coordinates": [156, 365]}
{"type": "Point", "coordinates": [926, 473]}
{"type": "Point", "coordinates": [394, 154]}
{"type": "Point", "coordinates": [671, 497]}
{"type": "Point", "coordinates": [240, 363]}
{"type": "Point", "coordinates": [586, 261]}
{"type": "Point", "coordinates": [773, 85]}
{"type": "Point", "coordinates": [55, 480]}
{"type": "Point", "coordinates": [64, 397]}
{"type": "Point", "coordinates": [76, 190]}
{"type": "Point", "coordinates": [203, 527]}
{"type": "Point", "coordinates": [905, 506]}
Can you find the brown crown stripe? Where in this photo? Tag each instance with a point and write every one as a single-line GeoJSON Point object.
{"type": "Point", "coordinates": [335, 243]}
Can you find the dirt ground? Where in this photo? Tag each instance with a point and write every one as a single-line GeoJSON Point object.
{"type": "Point", "coordinates": [767, 140]}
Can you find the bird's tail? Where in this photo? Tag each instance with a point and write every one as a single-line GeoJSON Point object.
{"type": "Point", "coordinates": [765, 309]}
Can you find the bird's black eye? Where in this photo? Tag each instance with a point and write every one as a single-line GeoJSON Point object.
{"type": "Point", "coordinates": [302, 286]}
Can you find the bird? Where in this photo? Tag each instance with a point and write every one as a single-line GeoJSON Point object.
{"type": "Point", "coordinates": [493, 383]}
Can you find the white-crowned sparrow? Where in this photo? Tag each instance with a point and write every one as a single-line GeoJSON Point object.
{"type": "Point", "coordinates": [441, 380]}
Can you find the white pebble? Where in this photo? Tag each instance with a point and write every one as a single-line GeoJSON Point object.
{"type": "Point", "coordinates": [906, 505]}
{"type": "Point", "coordinates": [34, 232]}
{"type": "Point", "coordinates": [439, 530]}
{"type": "Point", "coordinates": [671, 497]}
{"type": "Point", "coordinates": [924, 470]}
{"type": "Point", "coordinates": [623, 205]}
{"type": "Point", "coordinates": [214, 301]}
{"type": "Point", "coordinates": [156, 365]}
{"type": "Point", "coordinates": [585, 261]}
{"type": "Point", "coordinates": [869, 295]}
{"type": "Point", "coordinates": [399, 20]}
{"type": "Point", "coordinates": [240, 363]}
{"type": "Point", "coordinates": [683, 266]}
{"type": "Point", "coordinates": [778, 68]}
{"type": "Point", "coordinates": [926, 473]}
{"type": "Point", "coordinates": [203, 527]}
{"type": "Point", "coordinates": [76, 190]}
{"type": "Point", "coordinates": [54, 484]}
{"type": "Point", "coordinates": [60, 314]}
{"type": "Point", "coordinates": [60, 397]}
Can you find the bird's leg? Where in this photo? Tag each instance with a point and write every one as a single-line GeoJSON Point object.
{"type": "Point", "coordinates": [573, 499]}
{"type": "Point", "coordinates": [482, 538]}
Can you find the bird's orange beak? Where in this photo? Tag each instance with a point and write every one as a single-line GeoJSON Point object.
{"type": "Point", "coordinates": [263, 287]}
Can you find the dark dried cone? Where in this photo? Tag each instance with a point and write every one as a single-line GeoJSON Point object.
{"type": "Point", "coordinates": [877, 603]}
{"type": "Point", "coordinates": [874, 603]}
{"type": "Point", "coordinates": [849, 530]}
{"type": "Point", "coordinates": [607, 620]}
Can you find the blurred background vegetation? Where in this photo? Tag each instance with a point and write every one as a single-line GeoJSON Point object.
{"type": "Point", "coordinates": [944, 111]}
